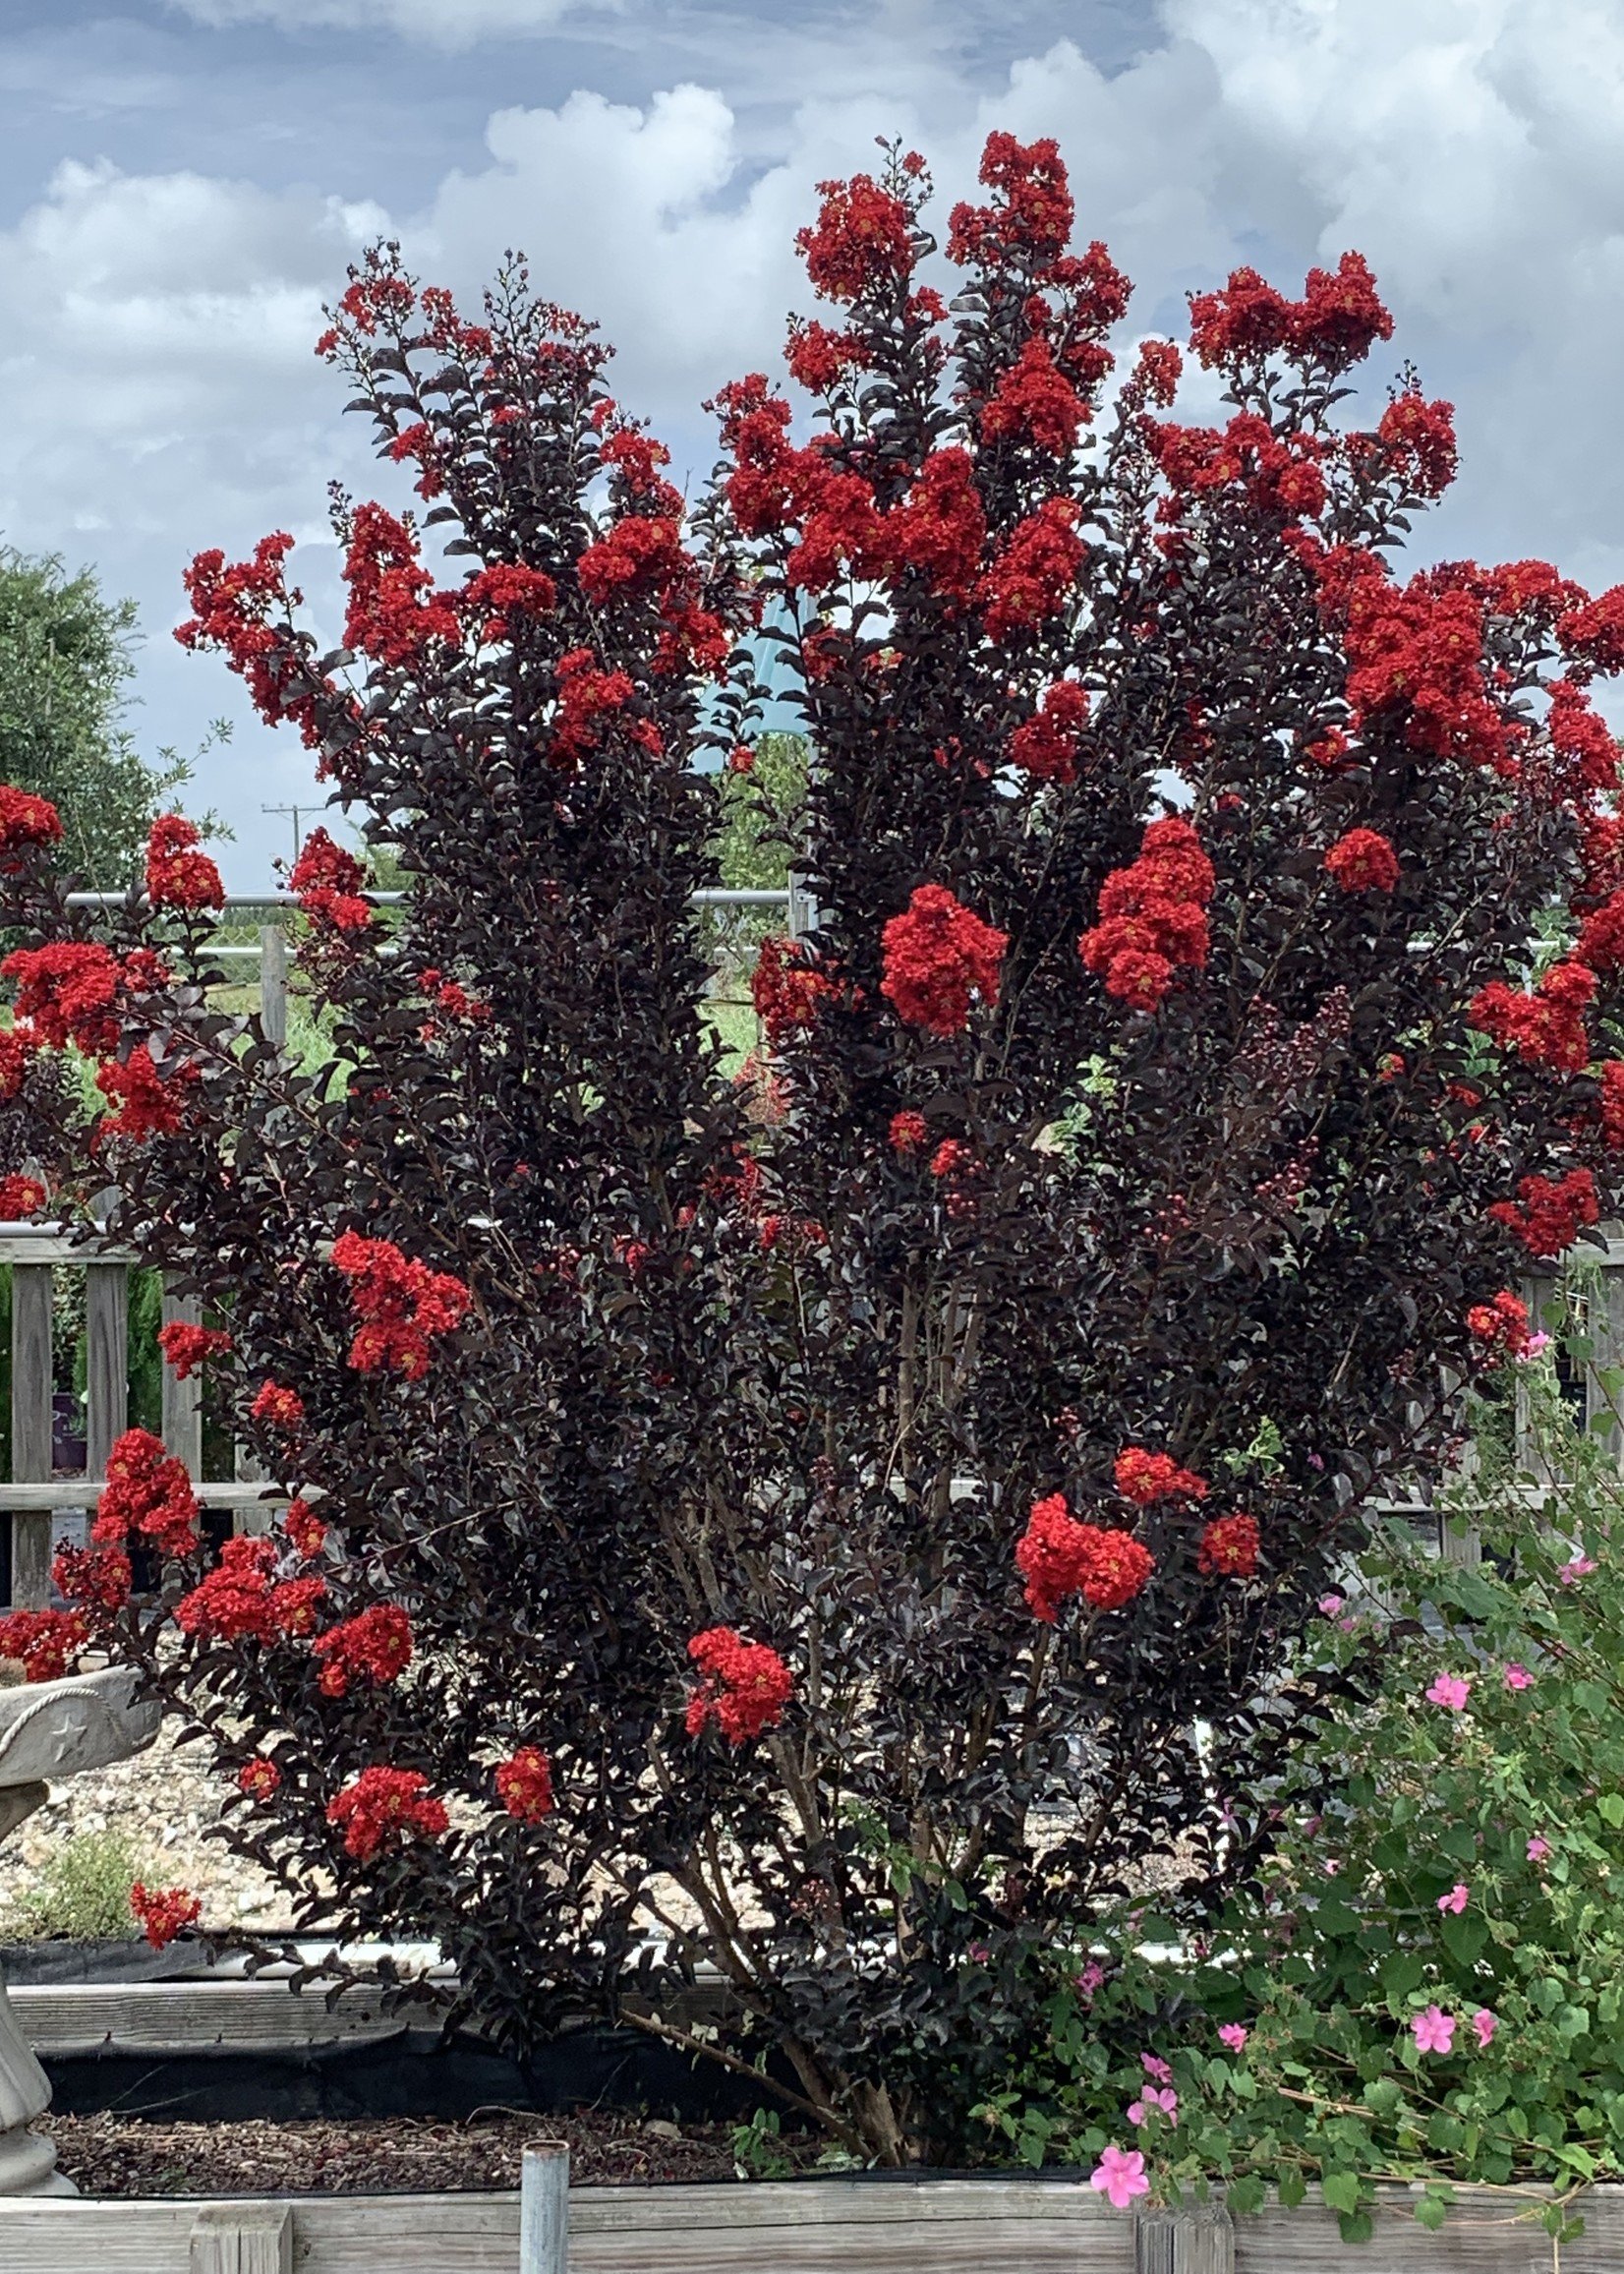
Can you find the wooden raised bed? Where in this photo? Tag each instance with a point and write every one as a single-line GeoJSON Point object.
{"type": "Point", "coordinates": [925, 2226]}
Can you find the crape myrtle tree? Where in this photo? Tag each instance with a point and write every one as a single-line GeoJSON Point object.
{"type": "Point", "coordinates": [809, 1538]}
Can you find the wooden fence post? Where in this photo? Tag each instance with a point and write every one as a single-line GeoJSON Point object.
{"type": "Point", "coordinates": [242, 2239]}
{"type": "Point", "coordinates": [273, 984]}
{"type": "Point", "coordinates": [106, 1361]}
{"type": "Point", "coordinates": [1197, 2239]}
{"type": "Point", "coordinates": [183, 1400]}
{"type": "Point", "coordinates": [544, 2210]}
{"type": "Point", "coordinates": [30, 1431]}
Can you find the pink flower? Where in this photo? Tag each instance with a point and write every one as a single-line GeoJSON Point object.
{"type": "Point", "coordinates": [1537, 1849]}
{"type": "Point", "coordinates": [1534, 1344]}
{"type": "Point", "coordinates": [1119, 2175]}
{"type": "Point", "coordinates": [1486, 2023]}
{"type": "Point", "coordinates": [1156, 2068]}
{"type": "Point", "coordinates": [1135, 2112]}
{"type": "Point", "coordinates": [1517, 1677]}
{"type": "Point", "coordinates": [1451, 1690]}
{"type": "Point", "coordinates": [1234, 2037]}
{"type": "Point", "coordinates": [1089, 1980]}
{"type": "Point", "coordinates": [1434, 2031]}
{"type": "Point", "coordinates": [1457, 1898]}
{"type": "Point", "coordinates": [1330, 1604]}
{"type": "Point", "coordinates": [1572, 1573]}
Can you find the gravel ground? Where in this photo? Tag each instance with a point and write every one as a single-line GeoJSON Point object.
{"type": "Point", "coordinates": [108, 2155]}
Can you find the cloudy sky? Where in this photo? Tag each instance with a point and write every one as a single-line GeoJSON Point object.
{"type": "Point", "coordinates": [182, 183]}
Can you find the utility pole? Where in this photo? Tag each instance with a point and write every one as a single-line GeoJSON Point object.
{"type": "Point", "coordinates": [298, 836]}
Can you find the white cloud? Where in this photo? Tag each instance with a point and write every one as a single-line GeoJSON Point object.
{"type": "Point", "coordinates": [445, 24]}
{"type": "Point", "coordinates": [160, 391]}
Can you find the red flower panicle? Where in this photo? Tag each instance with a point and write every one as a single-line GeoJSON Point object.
{"type": "Point", "coordinates": [278, 1407]}
{"type": "Point", "coordinates": [862, 241]}
{"type": "Point", "coordinates": [99, 1578]}
{"type": "Point", "coordinates": [66, 990]}
{"type": "Point", "coordinates": [327, 881]}
{"type": "Point", "coordinates": [523, 1784]}
{"type": "Point", "coordinates": [1502, 1325]}
{"type": "Point", "coordinates": [1152, 917]}
{"type": "Point", "coordinates": [258, 1777]}
{"type": "Point", "coordinates": [745, 1686]}
{"type": "Point", "coordinates": [238, 1600]}
{"type": "Point", "coordinates": [163, 1912]}
{"type": "Point", "coordinates": [909, 1133]}
{"type": "Point", "coordinates": [177, 875]}
{"type": "Point", "coordinates": [404, 1308]}
{"type": "Point", "coordinates": [1229, 1547]}
{"type": "Point", "coordinates": [148, 1490]}
{"type": "Point", "coordinates": [303, 1530]}
{"type": "Point", "coordinates": [1364, 861]}
{"type": "Point", "coordinates": [1058, 1557]}
{"type": "Point", "coordinates": [384, 1806]}
{"type": "Point", "coordinates": [186, 1348]}
{"type": "Point", "coordinates": [938, 956]}
{"type": "Point", "coordinates": [1145, 1477]}
{"type": "Point", "coordinates": [1035, 574]}
{"type": "Point", "coordinates": [19, 1198]}
{"type": "Point", "coordinates": [1047, 746]}
{"type": "Point", "coordinates": [1546, 1027]}
{"type": "Point", "coordinates": [1548, 1216]}
{"type": "Point", "coordinates": [375, 1644]}
{"type": "Point", "coordinates": [786, 990]}
{"type": "Point", "coordinates": [27, 825]}
{"type": "Point", "coordinates": [149, 1102]}
{"type": "Point", "coordinates": [47, 1642]}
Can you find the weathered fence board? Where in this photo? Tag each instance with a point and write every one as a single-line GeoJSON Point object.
{"type": "Point", "coordinates": [30, 1427]}
{"type": "Point", "coordinates": [256, 2239]}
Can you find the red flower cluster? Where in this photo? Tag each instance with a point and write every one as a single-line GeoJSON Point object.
{"type": "Point", "coordinates": [1551, 1214]}
{"type": "Point", "coordinates": [1600, 942]}
{"type": "Point", "coordinates": [327, 882]}
{"type": "Point", "coordinates": [1047, 744]}
{"type": "Point", "coordinates": [148, 1103]}
{"type": "Point", "coordinates": [278, 1406]}
{"type": "Point", "coordinates": [817, 358]}
{"type": "Point", "coordinates": [98, 1577]}
{"type": "Point", "coordinates": [383, 1804]}
{"type": "Point", "coordinates": [47, 1642]}
{"type": "Point", "coordinates": [1592, 631]}
{"type": "Point", "coordinates": [239, 1601]}
{"type": "Point", "coordinates": [523, 1784]}
{"type": "Point", "coordinates": [66, 991]}
{"type": "Point", "coordinates": [17, 1045]}
{"type": "Point", "coordinates": [1546, 1027]}
{"type": "Point", "coordinates": [1031, 578]}
{"type": "Point", "coordinates": [27, 823]}
{"type": "Point", "coordinates": [1152, 917]}
{"type": "Point", "coordinates": [148, 1490]}
{"type": "Point", "coordinates": [233, 605]}
{"type": "Point", "coordinates": [941, 527]}
{"type": "Point", "coordinates": [862, 241]}
{"type": "Point", "coordinates": [19, 1198]}
{"type": "Point", "coordinates": [910, 1134]}
{"type": "Point", "coordinates": [303, 1530]}
{"type": "Point", "coordinates": [404, 1307]}
{"type": "Point", "coordinates": [185, 1347]}
{"type": "Point", "coordinates": [587, 695]}
{"type": "Point", "coordinates": [258, 1777]}
{"type": "Point", "coordinates": [178, 876]}
{"type": "Point", "coordinates": [1416, 658]}
{"type": "Point", "coordinates": [1501, 1325]}
{"type": "Point", "coordinates": [1420, 439]}
{"type": "Point", "coordinates": [1145, 1477]}
{"type": "Point", "coordinates": [1035, 403]}
{"type": "Point", "coordinates": [495, 596]}
{"type": "Point", "coordinates": [1057, 1557]}
{"type": "Point", "coordinates": [745, 1687]}
{"type": "Point", "coordinates": [786, 990]}
{"type": "Point", "coordinates": [1364, 861]}
{"type": "Point", "coordinates": [1334, 323]}
{"type": "Point", "coordinates": [394, 611]}
{"type": "Point", "coordinates": [163, 1912]}
{"type": "Point", "coordinates": [1032, 210]}
{"type": "Point", "coordinates": [1612, 1103]}
{"type": "Point", "coordinates": [1229, 1547]}
{"type": "Point", "coordinates": [1281, 476]}
{"type": "Point", "coordinates": [640, 554]}
{"type": "Point", "coordinates": [1580, 736]}
{"type": "Point", "coordinates": [376, 1645]}
{"type": "Point", "coordinates": [938, 955]}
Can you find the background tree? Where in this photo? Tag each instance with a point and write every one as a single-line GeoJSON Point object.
{"type": "Point", "coordinates": [739, 1532]}
{"type": "Point", "coordinates": [66, 661]}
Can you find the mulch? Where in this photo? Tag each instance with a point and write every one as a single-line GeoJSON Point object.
{"type": "Point", "coordinates": [109, 2155]}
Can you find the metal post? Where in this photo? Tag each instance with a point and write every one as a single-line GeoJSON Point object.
{"type": "Point", "coordinates": [544, 2211]}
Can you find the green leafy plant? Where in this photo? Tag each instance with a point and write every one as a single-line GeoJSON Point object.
{"type": "Point", "coordinates": [83, 1891]}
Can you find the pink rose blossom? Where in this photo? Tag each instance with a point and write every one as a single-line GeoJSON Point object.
{"type": "Point", "coordinates": [1156, 2068]}
{"type": "Point", "coordinates": [1517, 1677]}
{"type": "Point", "coordinates": [1456, 1900]}
{"type": "Point", "coordinates": [1486, 2023]}
{"type": "Point", "coordinates": [1451, 1690]}
{"type": "Point", "coordinates": [1234, 2037]}
{"type": "Point", "coordinates": [1119, 2175]}
{"type": "Point", "coordinates": [1434, 2031]}
{"type": "Point", "coordinates": [1537, 1849]}
{"type": "Point", "coordinates": [1572, 1573]}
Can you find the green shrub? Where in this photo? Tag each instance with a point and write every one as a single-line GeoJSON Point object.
{"type": "Point", "coordinates": [1429, 1967]}
{"type": "Point", "coordinates": [83, 1891]}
